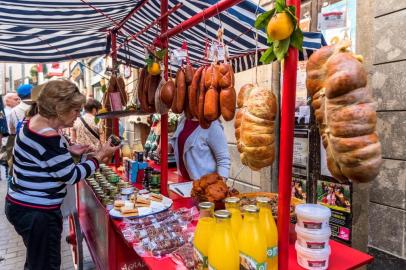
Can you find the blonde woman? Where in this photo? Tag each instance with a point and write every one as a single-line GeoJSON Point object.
{"type": "Point", "coordinates": [43, 167]}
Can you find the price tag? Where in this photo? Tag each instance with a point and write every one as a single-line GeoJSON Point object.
{"type": "Point", "coordinates": [217, 49]}
{"type": "Point", "coordinates": [331, 20]}
{"type": "Point", "coordinates": [178, 56]}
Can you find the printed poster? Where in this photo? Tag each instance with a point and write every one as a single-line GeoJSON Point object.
{"type": "Point", "coordinates": [300, 164]}
{"type": "Point", "coordinates": [302, 109]}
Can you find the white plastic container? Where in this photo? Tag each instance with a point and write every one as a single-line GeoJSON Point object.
{"type": "Point", "coordinates": [313, 259]}
{"type": "Point", "coordinates": [313, 239]}
{"type": "Point", "coordinates": [312, 216]}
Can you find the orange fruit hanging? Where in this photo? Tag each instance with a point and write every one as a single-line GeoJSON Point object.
{"type": "Point", "coordinates": [280, 26]}
{"type": "Point", "coordinates": [154, 69]}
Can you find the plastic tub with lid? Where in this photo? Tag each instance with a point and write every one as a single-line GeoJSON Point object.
{"type": "Point", "coordinates": [312, 216]}
{"type": "Point", "coordinates": [313, 239]}
{"type": "Point", "coordinates": [313, 259]}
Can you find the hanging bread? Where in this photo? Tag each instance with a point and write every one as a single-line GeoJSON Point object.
{"type": "Point", "coordinates": [254, 126]}
{"type": "Point", "coordinates": [179, 97]}
{"type": "Point", "coordinates": [345, 112]}
{"type": "Point", "coordinates": [193, 92]}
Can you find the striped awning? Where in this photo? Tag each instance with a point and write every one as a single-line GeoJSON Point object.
{"type": "Point", "coordinates": [39, 31]}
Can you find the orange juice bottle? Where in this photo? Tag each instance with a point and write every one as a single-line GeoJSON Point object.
{"type": "Point", "coordinates": [223, 251]}
{"type": "Point", "coordinates": [233, 206]}
{"type": "Point", "coordinates": [271, 232]}
{"type": "Point", "coordinates": [251, 241]}
{"type": "Point", "coordinates": [204, 230]}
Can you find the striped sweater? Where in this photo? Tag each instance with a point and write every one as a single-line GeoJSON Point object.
{"type": "Point", "coordinates": [42, 169]}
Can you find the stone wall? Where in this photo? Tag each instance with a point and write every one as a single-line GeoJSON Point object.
{"type": "Point", "coordinates": [248, 180]}
{"type": "Point", "coordinates": [387, 208]}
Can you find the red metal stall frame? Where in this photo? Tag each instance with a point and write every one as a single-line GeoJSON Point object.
{"type": "Point", "coordinates": [287, 126]}
{"type": "Point", "coordinates": [287, 116]}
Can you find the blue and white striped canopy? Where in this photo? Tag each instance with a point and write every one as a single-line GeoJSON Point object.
{"type": "Point", "coordinates": [39, 31]}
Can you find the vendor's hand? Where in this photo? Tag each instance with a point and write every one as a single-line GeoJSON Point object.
{"type": "Point", "coordinates": [106, 151]}
{"type": "Point", "coordinates": [78, 149]}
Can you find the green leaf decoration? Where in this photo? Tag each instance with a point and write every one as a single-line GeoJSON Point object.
{"type": "Point", "coordinates": [296, 39]}
{"type": "Point", "coordinates": [262, 21]}
{"type": "Point", "coordinates": [149, 61]}
{"type": "Point", "coordinates": [161, 54]}
{"type": "Point", "coordinates": [281, 49]}
{"type": "Point", "coordinates": [268, 56]}
{"type": "Point", "coordinates": [291, 11]}
{"type": "Point", "coordinates": [281, 4]}
{"type": "Point", "coordinates": [104, 88]}
{"type": "Point", "coordinates": [280, 7]}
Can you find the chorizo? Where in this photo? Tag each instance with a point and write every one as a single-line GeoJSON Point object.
{"type": "Point", "coordinates": [202, 121]}
{"type": "Point", "coordinates": [179, 99]}
{"type": "Point", "coordinates": [168, 92]}
{"type": "Point", "coordinates": [193, 93]}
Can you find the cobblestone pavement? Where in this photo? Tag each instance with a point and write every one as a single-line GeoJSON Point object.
{"type": "Point", "coordinates": [12, 249]}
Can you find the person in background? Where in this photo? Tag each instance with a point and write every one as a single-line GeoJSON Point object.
{"type": "Point", "coordinates": [43, 167]}
{"type": "Point", "coordinates": [85, 130]}
{"type": "Point", "coordinates": [10, 101]}
{"type": "Point", "coordinates": [200, 151]}
{"type": "Point", "coordinates": [17, 114]}
{"type": "Point", "coordinates": [16, 118]}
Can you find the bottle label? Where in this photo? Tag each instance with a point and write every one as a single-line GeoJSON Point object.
{"type": "Point", "coordinates": [272, 252]}
{"type": "Point", "coordinates": [200, 259]}
{"type": "Point", "coordinates": [248, 263]}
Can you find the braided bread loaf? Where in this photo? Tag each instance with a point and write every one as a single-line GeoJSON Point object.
{"type": "Point", "coordinates": [254, 126]}
{"type": "Point", "coordinates": [345, 112]}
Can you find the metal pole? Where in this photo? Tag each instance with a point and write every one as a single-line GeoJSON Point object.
{"type": "Point", "coordinates": [164, 117]}
{"type": "Point", "coordinates": [152, 24]}
{"type": "Point", "coordinates": [286, 149]}
{"type": "Point", "coordinates": [116, 129]}
{"type": "Point", "coordinates": [198, 18]}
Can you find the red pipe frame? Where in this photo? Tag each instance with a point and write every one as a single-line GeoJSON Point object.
{"type": "Point", "coordinates": [164, 117]}
{"type": "Point", "coordinates": [130, 14]}
{"type": "Point", "coordinates": [287, 118]}
{"type": "Point", "coordinates": [116, 130]}
{"type": "Point", "coordinates": [199, 17]}
{"type": "Point", "coordinates": [165, 15]}
{"type": "Point", "coordinates": [286, 148]}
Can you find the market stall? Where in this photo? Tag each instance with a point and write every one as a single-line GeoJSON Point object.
{"type": "Point", "coordinates": [110, 238]}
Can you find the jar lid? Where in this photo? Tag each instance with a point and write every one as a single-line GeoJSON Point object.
{"type": "Point", "coordinates": [250, 208]}
{"type": "Point", "coordinates": [222, 214]}
{"type": "Point", "coordinates": [232, 200]}
{"type": "Point", "coordinates": [262, 199]}
{"type": "Point", "coordinates": [206, 205]}
{"type": "Point", "coordinates": [311, 210]}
